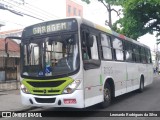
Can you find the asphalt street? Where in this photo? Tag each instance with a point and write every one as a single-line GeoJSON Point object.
{"type": "Point", "coordinates": [149, 100]}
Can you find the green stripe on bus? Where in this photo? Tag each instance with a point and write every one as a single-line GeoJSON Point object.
{"type": "Point", "coordinates": [101, 80]}
{"type": "Point", "coordinates": [56, 90]}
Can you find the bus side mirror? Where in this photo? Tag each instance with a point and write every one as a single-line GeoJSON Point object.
{"type": "Point", "coordinates": [90, 41]}
{"type": "Point", "coordinates": [12, 37]}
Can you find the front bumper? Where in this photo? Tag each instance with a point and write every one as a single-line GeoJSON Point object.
{"type": "Point", "coordinates": [54, 101]}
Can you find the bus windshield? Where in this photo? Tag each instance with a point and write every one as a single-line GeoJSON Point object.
{"type": "Point", "coordinates": [50, 56]}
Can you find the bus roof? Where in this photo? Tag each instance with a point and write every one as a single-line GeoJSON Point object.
{"type": "Point", "coordinates": [111, 32]}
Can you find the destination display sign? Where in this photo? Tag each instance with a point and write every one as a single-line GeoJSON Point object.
{"type": "Point", "coordinates": [50, 27]}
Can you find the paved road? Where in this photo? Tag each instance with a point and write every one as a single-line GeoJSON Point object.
{"type": "Point", "coordinates": [149, 100]}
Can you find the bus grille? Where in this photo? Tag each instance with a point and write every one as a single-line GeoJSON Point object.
{"type": "Point", "coordinates": [49, 91]}
{"type": "Point", "coordinates": [47, 87]}
{"type": "Point", "coordinates": [46, 84]}
{"type": "Point", "coordinates": [45, 100]}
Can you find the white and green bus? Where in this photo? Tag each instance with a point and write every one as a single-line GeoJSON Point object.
{"type": "Point", "coordinates": [75, 63]}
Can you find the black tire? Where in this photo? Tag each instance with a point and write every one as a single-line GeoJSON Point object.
{"type": "Point", "coordinates": [107, 96]}
{"type": "Point", "coordinates": [141, 85]}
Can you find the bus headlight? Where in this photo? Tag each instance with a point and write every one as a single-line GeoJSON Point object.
{"type": "Point", "coordinates": [24, 89]}
{"type": "Point", "coordinates": [72, 87]}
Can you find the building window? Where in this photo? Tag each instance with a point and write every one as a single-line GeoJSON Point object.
{"type": "Point", "coordinates": [94, 49]}
{"type": "Point", "coordinates": [74, 11]}
{"type": "Point", "coordinates": [79, 12]}
{"type": "Point", "coordinates": [69, 10]}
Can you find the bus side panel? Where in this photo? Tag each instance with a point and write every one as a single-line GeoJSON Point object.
{"type": "Point", "coordinates": [132, 69]}
{"type": "Point", "coordinates": [92, 86]}
{"type": "Point", "coordinates": [149, 73]}
{"type": "Point", "coordinates": [117, 70]}
{"type": "Point", "coordinates": [140, 70]}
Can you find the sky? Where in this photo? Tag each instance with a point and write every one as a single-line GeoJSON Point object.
{"type": "Point", "coordinates": [51, 9]}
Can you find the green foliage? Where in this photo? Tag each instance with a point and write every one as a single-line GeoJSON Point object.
{"type": "Point", "coordinates": [87, 1]}
{"type": "Point", "coordinates": [112, 2]}
{"type": "Point", "coordinates": [140, 17]}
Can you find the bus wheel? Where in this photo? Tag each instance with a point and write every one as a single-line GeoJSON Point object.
{"type": "Point", "coordinates": [141, 86]}
{"type": "Point", "coordinates": [107, 96]}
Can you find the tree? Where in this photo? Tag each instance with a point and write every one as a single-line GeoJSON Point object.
{"type": "Point", "coordinates": [108, 4]}
{"type": "Point", "coordinates": [140, 17]}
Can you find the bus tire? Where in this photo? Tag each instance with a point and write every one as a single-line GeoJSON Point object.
{"type": "Point", "coordinates": [141, 86]}
{"type": "Point", "coordinates": [107, 96]}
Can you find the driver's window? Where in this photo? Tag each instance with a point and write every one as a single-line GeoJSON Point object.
{"type": "Point", "coordinates": [86, 51]}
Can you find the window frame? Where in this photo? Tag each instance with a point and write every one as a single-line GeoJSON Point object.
{"type": "Point", "coordinates": [91, 31]}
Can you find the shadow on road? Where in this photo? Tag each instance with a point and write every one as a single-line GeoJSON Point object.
{"type": "Point", "coordinates": [129, 95]}
{"type": "Point", "coordinates": [93, 110]}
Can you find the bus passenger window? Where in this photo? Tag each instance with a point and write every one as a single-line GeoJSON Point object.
{"type": "Point", "coordinates": [118, 48]}
{"type": "Point", "coordinates": [128, 51]}
{"type": "Point", "coordinates": [143, 56]}
{"type": "Point", "coordinates": [148, 56]}
{"type": "Point", "coordinates": [94, 49]}
{"type": "Point", "coordinates": [106, 47]}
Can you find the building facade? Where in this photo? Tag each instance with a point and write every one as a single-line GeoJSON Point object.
{"type": "Point", "coordinates": [67, 8]}
{"type": "Point", "coordinates": [73, 9]}
{"type": "Point", "coordinates": [9, 60]}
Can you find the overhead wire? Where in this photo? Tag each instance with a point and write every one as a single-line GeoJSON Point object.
{"type": "Point", "coordinates": [26, 11]}
{"type": "Point", "coordinates": [30, 14]}
{"type": "Point", "coordinates": [42, 11]}
{"type": "Point", "coordinates": [35, 11]}
{"type": "Point", "coordinates": [35, 8]}
{"type": "Point", "coordinates": [31, 7]}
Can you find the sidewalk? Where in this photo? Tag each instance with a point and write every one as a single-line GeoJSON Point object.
{"type": "Point", "coordinates": [9, 85]}
{"type": "Point", "coordinates": [11, 101]}
{"type": "Point", "coordinates": [156, 75]}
